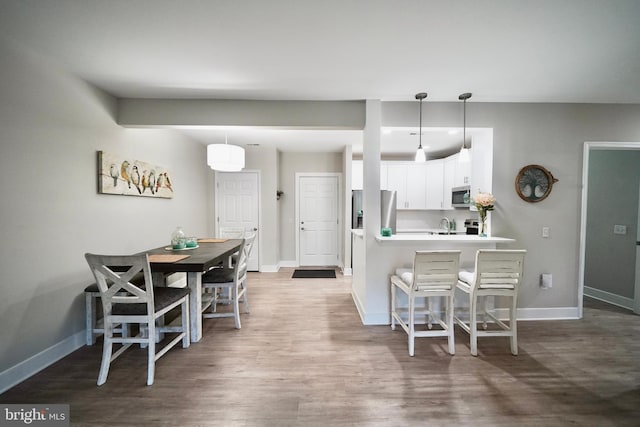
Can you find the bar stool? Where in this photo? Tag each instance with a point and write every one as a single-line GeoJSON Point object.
{"type": "Point", "coordinates": [498, 273]}
{"type": "Point", "coordinates": [434, 274]}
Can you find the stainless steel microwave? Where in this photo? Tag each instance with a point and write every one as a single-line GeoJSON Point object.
{"type": "Point", "coordinates": [461, 197]}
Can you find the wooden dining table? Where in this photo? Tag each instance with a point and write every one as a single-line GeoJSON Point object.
{"type": "Point", "coordinates": [208, 254]}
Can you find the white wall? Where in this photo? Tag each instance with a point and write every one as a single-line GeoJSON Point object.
{"type": "Point", "coordinates": [290, 164]}
{"type": "Point", "coordinates": [51, 125]}
{"type": "Point", "coordinates": [265, 160]}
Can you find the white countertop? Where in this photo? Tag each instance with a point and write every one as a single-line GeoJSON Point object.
{"type": "Point", "coordinates": [429, 231]}
{"type": "Point", "coordinates": [422, 237]}
{"type": "Point", "coordinates": [427, 237]}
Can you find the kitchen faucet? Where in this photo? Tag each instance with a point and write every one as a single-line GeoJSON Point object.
{"type": "Point", "coordinates": [445, 224]}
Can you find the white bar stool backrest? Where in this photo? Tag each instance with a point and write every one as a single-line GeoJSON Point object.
{"type": "Point", "coordinates": [498, 269]}
{"type": "Point", "coordinates": [435, 270]}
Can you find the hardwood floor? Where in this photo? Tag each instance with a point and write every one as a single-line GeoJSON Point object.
{"type": "Point", "coordinates": [303, 358]}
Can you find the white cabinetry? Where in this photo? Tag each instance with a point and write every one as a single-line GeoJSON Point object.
{"type": "Point", "coordinates": [448, 180]}
{"type": "Point", "coordinates": [408, 179]}
{"type": "Point", "coordinates": [435, 184]}
{"type": "Point", "coordinates": [423, 186]}
{"type": "Point", "coordinates": [463, 171]}
{"type": "Point", "coordinates": [456, 174]}
{"type": "Point", "coordinates": [416, 181]}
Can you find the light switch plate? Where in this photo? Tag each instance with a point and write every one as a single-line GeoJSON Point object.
{"type": "Point", "coordinates": [546, 280]}
{"type": "Point", "coordinates": [619, 229]}
{"type": "Point", "coordinates": [545, 232]}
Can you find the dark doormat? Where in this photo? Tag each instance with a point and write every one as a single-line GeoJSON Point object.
{"type": "Point", "coordinates": [314, 274]}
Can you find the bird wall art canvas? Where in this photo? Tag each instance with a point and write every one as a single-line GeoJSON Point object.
{"type": "Point", "coordinates": [130, 177]}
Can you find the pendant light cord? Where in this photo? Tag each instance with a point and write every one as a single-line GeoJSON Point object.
{"type": "Point", "coordinates": [420, 96]}
{"type": "Point", "coordinates": [420, 130]}
{"type": "Point", "coordinates": [463, 97]}
{"type": "Point", "coordinates": [464, 124]}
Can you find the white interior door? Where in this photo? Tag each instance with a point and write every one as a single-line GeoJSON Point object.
{"type": "Point", "coordinates": [318, 220]}
{"type": "Point", "coordinates": [238, 207]}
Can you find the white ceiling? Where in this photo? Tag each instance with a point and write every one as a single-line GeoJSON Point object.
{"type": "Point", "coordinates": [584, 51]}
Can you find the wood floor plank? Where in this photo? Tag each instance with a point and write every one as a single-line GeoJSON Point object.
{"type": "Point", "coordinates": [303, 358]}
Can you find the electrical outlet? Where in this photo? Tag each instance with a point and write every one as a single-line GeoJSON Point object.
{"type": "Point", "coordinates": [545, 232]}
{"type": "Point", "coordinates": [619, 229]}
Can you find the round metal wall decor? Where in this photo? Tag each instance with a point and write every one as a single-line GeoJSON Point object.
{"type": "Point", "coordinates": [534, 183]}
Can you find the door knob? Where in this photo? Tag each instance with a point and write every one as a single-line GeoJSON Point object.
{"type": "Point", "coordinates": [301, 228]}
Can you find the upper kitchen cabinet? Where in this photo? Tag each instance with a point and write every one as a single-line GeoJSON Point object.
{"type": "Point", "coordinates": [427, 186]}
{"type": "Point", "coordinates": [455, 174]}
{"type": "Point", "coordinates": [449, 173]}
{"type": "Point", "coordinates": [477, 173]}
{"type": "Point", "coordinates": [435, 185]}
{"type": "Point", "coordinates": [462, 175]}
{"type": "Point", "coordinates": [458, 173]}
{"type": "Point", "coordinates": [408, 179]}
{"type": "Point", "coordinates": [481, 164]}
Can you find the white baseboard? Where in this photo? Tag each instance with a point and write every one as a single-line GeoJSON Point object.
{"type": "Point", "coordinates": [377, 319]}
{"type": "Point", "coordinates": [274, 268]}
{"type": "Point", "coordinates": [608, 297]}
{"type": "Point", "coordinates": [290, 263]}
{"type": "Point", "coordinates": [347, 272]}
{"type": "Point", "coordinates": [358, 304]}
{"type": "Point", "coordinates": [27, 368]}
{"type": "Point", "coordinates": [370, 318]}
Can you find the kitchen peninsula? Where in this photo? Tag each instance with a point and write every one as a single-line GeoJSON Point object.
{"type": "Point", "coordinates": [375, 259]}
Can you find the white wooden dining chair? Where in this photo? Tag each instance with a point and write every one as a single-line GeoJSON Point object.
{"type": "Point", "coordinates": [94, 321]}
{"type": "Point", "coordinates": [126, 303]}
{"type": "Point", "coordinates": [498, 273]}
{"type": "Point", "coordinates": [434, 275]}
{"type": "Point", "coordinates": [231, 281]}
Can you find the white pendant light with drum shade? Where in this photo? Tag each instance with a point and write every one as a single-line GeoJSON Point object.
{"type": "Point", "coordinates": [225, 157]}
{"type": "Point", "coordinates": [464, 156]}
{"type": "Point", "coordinates": [421, 156]}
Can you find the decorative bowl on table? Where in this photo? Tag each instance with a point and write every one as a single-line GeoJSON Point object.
{"type": "Point", "coordinates": [179, 244]}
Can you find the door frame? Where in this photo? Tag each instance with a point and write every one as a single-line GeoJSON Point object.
{"type": "Point", "coordinates": [218, 204]}
{"type": "Point", "coordinates": [339, 227]}
{"type": "Point", "coordinates": [588, 146]}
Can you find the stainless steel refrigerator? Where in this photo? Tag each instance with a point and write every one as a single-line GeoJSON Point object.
{"type": "Point", "coordinates": [387, 209]}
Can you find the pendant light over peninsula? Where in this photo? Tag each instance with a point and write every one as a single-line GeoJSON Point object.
{"type": "Point", "coordinates": [421, 156]}
{"type": "Point", "coordinates": [464, 151]}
